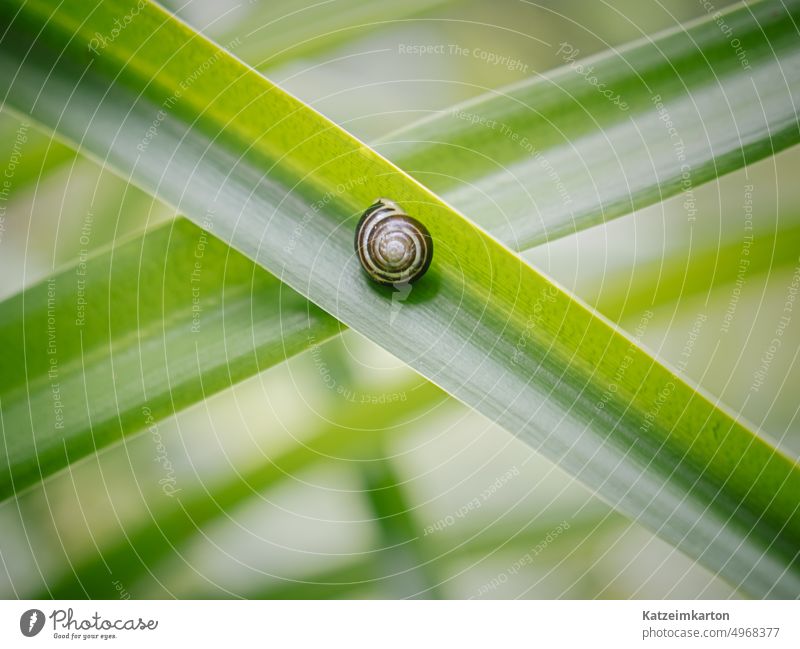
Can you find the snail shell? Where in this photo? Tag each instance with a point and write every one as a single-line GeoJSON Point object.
{"type": "Point", "coordinates": [393, 247]}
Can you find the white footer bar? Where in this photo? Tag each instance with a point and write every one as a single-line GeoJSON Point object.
{"type": "Point", "coordinates": [354, 624]}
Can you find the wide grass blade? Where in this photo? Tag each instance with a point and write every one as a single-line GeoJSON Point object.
{"type": "Point", "coordinates": [650, 283]}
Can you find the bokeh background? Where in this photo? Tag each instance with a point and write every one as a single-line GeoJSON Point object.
{"type": "Point", "coordinates": [340, 473]}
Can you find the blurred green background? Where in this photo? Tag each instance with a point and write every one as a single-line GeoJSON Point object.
{"type": "Point", "coordinates": [303, 482]}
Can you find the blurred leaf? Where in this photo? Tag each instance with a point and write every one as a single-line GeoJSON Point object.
{"type": "Point", "coordinates": [402, 553]}
{"type": "Point", "coordinates": [557, 154]}
{"type": "Point", "coordinates": [516, 544]}
{"type": "Point", "coordinates": [335, 583]}
{"type": "Point", "coordinates": [285, 30]}
{"type": "Point", "coordinates": [141, 549]}
{"type": "Point", "coordinates": [128, 337]}
{"type": "Point", "coordinates": [684, 273]}
{"type": "Point", "coordinates": [32, 154]}
{"type": "Point", "coordinates": [285, 186]}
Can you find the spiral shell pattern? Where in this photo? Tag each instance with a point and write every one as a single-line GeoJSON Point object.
{"type": "Point", "coordinates": [393, 247]}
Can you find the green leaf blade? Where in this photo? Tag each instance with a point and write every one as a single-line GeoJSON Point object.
{"type": "Point", "coordinates": [286, 187]}
{"type": "Point", "coordinates": [554, 155]}
{"type": "Point", "coordinates": [173, 317]}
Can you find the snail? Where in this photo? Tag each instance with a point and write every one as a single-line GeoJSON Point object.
{"type": "Point", "coordinates": [393, 247]}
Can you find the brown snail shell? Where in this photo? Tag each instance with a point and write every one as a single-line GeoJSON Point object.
{"type": "Point", "coordinates": [393, 247]}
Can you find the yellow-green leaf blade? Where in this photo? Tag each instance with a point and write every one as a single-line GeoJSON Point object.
{"type": "Point", "coordinates": [285, 186]}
